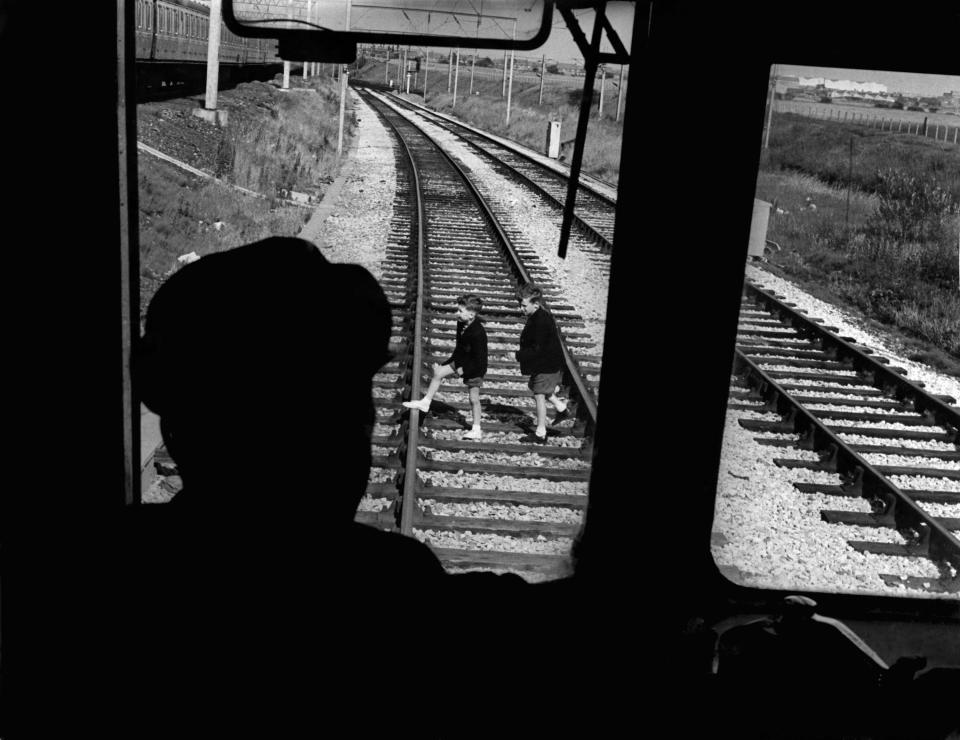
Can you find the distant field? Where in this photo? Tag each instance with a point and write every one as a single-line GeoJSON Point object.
{"type": "Point", "coordinates": [867, 113]}
{"type": "Point", "coordinates": [897, 261]}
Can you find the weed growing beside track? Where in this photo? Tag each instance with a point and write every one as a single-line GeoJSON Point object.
{"type": "Point", "coordinates": [896, 261]}
{"type": "Point", "coordinates": [178, 213]}
{"type": "Point", "coordinates": [274, 141]}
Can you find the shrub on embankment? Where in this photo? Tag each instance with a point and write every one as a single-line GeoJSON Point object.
{"type": "Point", "coordinates": [896, 263]}
{"type": "Point", "coordinates": [287, 140]}
{"type": "Point", "coordinates": [182, 213]}
{"type": "Point", "coordinates": [822, 148]}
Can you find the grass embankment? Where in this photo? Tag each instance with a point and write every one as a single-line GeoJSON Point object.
{"type": "Point", "coordinates": [897, 260]}
{"type": "Point", "coordinates": [273, 140]}
{"type": "Point", "coordinates": [177, 216]}
{"type": "Point", "coordinates": [528, 120]}
{"type": "Point", "coordinates": [286, 140]}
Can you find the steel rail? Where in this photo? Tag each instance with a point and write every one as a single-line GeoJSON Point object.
{"type": "Point", "coordinates": [586, 229]}
{"type": "Point", "coordinates": [882, 376]}
{"type": "Point", "coordinates": [587, 407]}
{"type": "Point", "coordinates": [408, 502]}
{"type": "Point", "coordinates": [934, 541]}
{"type": "Point", "coordinates": [585, 185]}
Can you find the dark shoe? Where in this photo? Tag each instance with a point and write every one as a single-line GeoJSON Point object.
{"type": "Point", "coordinates": [534, 439]}
{"type": "Point", "coordinates": [561, 416]}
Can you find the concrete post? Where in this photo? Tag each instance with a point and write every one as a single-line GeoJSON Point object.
{"type": "Point", "coordinates": [450, 71]}
{"type": "Point", "coordinates": [209, 112]}
{"type": "Point", "coordinates": [473, 65]}
{"type": "Point", "coordinates": [386, 67]}
{"type": "Point", "coordinates": [286, 75]}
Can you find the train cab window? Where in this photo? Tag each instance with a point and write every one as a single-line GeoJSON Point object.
{"type": "Point", "coordinates": [840, 469]}
{"type": "Point", "coordinates": [538, 416]}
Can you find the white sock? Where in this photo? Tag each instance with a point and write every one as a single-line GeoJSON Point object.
{"type": "Point", "coordinates": [541, 431]}
{"type": "Point", "coordinates": [560, 405]}
{"type": "Point", "coordinates": [476, 426]}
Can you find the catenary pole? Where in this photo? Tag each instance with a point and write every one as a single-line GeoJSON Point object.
{"type": "Point", "coordinates": [426, 70]}
{"type": "Point", "coordinates": [456, 76]}
{"type": "Point", "coordinates": [773, 83]}
{"type": "Point", "coordinates": [343, 88]}
{"type": "Point", "coordinates": [450, 71]}
{"type": "Point", "coordinates": [503, 91]}
{"type": "Point", "coordinates": [213, 56]}
{"type": "Point", "coordinates": [510, 83]}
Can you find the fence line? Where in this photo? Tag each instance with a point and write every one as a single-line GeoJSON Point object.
{"type": "Point", "coordinates": [868, 117]}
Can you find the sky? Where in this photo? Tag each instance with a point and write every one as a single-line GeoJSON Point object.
{"type": "Point", "coordinates": [906, 82]}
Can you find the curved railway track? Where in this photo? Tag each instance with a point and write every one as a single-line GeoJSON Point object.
{"type": "Point", "coordinates": [834, 394]}
{"type": "Point", "coordinates": [497, 503]}
{"type": "Point", "coordinates": [595, 213]}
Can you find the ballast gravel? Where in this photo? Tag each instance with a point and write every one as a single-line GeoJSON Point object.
{"type": "Point", "coordinates": [851, 326]}
{"type": "Point", "coordinates": [932, 445]}
{"type": "Point", "coordinates": [582, 280]}
{"type": "Point", "coordinates": [485, 541]}
{"type": "Point", "coordinates": [370, 503]}
{"type": "Point", "coordinates": [767, 534]}
{"type": "Point", "coordinates": [355, 227]}
{"type": "Point", "coordinates": [500, 482]}
{"type": "Point", "coordinates": [500, 438]}
{"type": "Point", "coordinates": [491, 510]}
{"type": "Point", "coordinates": [529, 460]}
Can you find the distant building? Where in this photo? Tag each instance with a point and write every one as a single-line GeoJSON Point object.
{"type": "Point", "coordinates": [950, 101]}
{"type": "Point", "coordinates": [843, 85]}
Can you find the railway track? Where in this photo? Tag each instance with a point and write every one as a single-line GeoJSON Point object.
{"type": "Point", "coordinates": [595, 214]}
{"type": "Point", "coordinates": [890, 441]}
{"type": "Point", "coordinates": [497, 503]}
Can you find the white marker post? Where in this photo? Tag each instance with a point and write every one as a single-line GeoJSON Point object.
{"type": "Point", "coordinates": [209, 112]}
{"type": "Point", "coordinates": [510, 84]}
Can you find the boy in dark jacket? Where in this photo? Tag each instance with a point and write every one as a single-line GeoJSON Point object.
{"type": "Point", "coordinates": [469, 361]}
{"type": "Point", "coordinates": [540, 357]}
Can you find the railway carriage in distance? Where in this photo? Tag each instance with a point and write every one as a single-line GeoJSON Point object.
{"type": "Point", "coordinates": [175, 33]}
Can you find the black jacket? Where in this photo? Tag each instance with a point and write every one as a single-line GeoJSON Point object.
{"type": "Point", "coordinates": [471, 350]}
{"type": "Point", "coordinates": [540, 350]}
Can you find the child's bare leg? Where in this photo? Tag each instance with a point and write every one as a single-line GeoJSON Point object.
{"type": "Point", "coordinates": [541, 400]}
{"type": "Point", "coordinates": [475, 404]}
{"type": "Point", "coordinates": [439, 373]}
{"type": "Point", "coordinates": [475, 432]}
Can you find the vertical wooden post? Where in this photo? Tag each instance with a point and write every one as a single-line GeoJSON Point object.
{"type": "Point", "coordinates": [456, 77]}
{"type": "Point", "coordinates": [620, 93]}
{"type": "Point", "coordinates": [386, 67]}
{"type": "Point", "coordinates": [955, 134]}
{"type": "Point", "coordinates": [343, 89]}
{"type": "Point", "coordinates": [450, 71]}
{"type": "Point", "coordinates": [543, 74]}
{"type": "Point", "coordinates": [924, 125]}
{"type": "Point", "coordinates": [286, 75]}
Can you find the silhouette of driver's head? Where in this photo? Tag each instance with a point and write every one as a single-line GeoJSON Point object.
{"type": "Point", "coordinates": [259, 362]}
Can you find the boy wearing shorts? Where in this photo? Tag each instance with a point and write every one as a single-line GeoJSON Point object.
{"type": "Point", "coordinates": [469, 361]}
{"type": "Point", "coordinates": [541, 357]}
